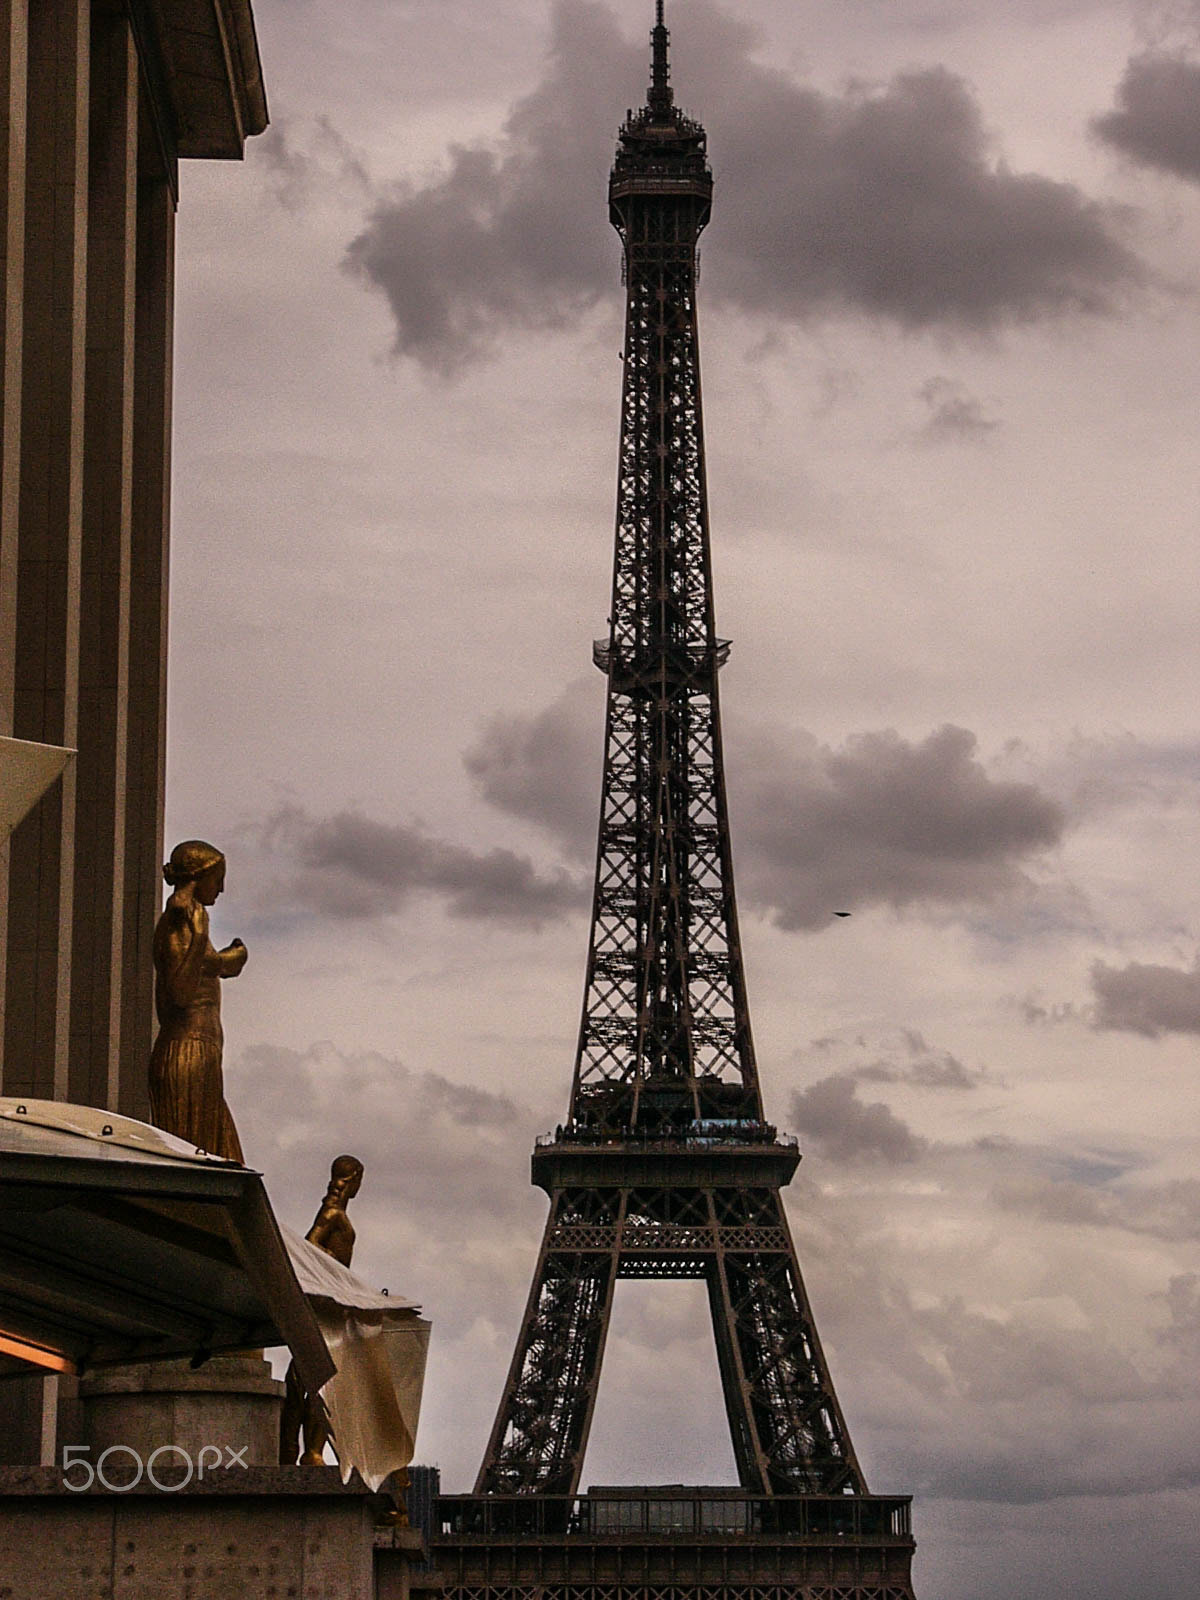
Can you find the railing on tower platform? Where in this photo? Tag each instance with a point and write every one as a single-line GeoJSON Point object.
{"type": "Point", "coordinates": [704, 1134]}
{"type": "Point", "coordinates": [673, 1512]}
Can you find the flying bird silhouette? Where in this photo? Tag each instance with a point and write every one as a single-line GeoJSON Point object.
{"type": "Point", "coordinates": [843, 913]}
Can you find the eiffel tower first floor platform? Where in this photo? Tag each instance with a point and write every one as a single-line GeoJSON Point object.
{"type": "Point", "coordinates": [672, 1543]}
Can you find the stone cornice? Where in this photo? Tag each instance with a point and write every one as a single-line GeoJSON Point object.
{"type": "Point", "coordinates": [201, 62]}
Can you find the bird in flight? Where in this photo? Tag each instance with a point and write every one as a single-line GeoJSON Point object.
{"type": "Point", "coordinates": [843, 913]}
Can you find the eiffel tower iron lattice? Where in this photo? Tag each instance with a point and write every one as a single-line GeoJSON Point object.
{"type": "Point", "coordinates": [665, 1167]}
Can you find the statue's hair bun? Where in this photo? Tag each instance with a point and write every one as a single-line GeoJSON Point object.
{"type": "Point", "coordinates": [189, 860]}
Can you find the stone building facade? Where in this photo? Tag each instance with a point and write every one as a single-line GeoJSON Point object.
{"type": "Point", "coordinates": [100, 100]}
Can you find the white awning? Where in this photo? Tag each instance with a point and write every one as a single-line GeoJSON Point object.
{"type": "Point", "coordinates": [26, 771]}
{"type": "Point", "coordinates": [119, 1242]}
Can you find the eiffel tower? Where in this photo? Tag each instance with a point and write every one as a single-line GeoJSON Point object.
{"type": "Point", "coordinates": [666, 1167]}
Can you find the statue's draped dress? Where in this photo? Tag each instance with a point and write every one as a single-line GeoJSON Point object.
{"type": "Point", "coordinates": [187, 1088]}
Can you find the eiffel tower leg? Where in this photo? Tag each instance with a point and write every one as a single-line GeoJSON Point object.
{"type": "Point", "coordinates": [778, 1392]}
{"type": "Point", "coordinates": [747, 1450]}
{"type": "Point", "coordinates": [541, 1429]}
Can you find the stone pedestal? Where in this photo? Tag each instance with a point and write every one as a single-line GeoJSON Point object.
{"type": "Point", "coordinates": [235, 1535]}
{"type": "Point", "coordinates": [402, 1565]}
{"type": "Point", "coordinates": [231, 1404]}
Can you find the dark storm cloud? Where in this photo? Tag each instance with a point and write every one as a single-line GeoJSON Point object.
{"type": "Point", "coordinates": [1146, 998]}
{"type": "Point", "coordinates": [830, 1113]}
{"type": "Point", "coordinates": [1156, 121]}
{"type": "Point", "coordinates": [885, 822]}
{"type": "Point", "coordinates": [353, 867]}
{"type": "Point", "coordinates": [885, 200]}
{"type": "Point", "coordinates": [953, 414]}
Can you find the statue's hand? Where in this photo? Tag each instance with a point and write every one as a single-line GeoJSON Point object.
{"type": "Point", "coordinates": [236, 952]}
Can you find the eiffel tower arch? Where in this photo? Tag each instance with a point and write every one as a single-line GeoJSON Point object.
{"type": "Point", "coordinates": [666, 1166]}
{"type": "Point", "coordinates": [661, 1214]}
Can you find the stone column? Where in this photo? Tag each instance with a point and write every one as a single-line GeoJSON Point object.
{"type": "Point", "coordinates": [37, 1020]}
{"type": "Point", "coordinates": [13, 63]}
{"type": "Point", "coordinates": [147, 729]}
{"type": "Point", "coordinates": [45, 101]}
{"type": "Point", "coordinates": [98, 946]}
{"type": "Point", "coordinates": [12, 271]}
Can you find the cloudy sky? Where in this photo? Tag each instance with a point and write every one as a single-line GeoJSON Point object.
{"type": "Point", "coordinates": [950, 322]}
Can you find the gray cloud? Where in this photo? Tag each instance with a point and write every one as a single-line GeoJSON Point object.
{"type": "Point", "coordinates": [890, 201]}
{"type": "Point", "coordinates": [546, 768]}
{"type": "Point", "coordinates": [905, 1056]}
{"type": "Point", "coordinates": [1168, 1211]}
{"type": "Point", "coordinates": [303, 160]}
{"type": "Point", "coordinates": [884, 200]}
{"type": "Point", "coordinates": [1183, 1306]}
{"type": "Point", "coordinates": [991, 1360]}
{"type": "Point", "coordinates": [506, 238]}
{"type": "Point", "coordinates": [1035, 1012]}
{"type": "Point", "coordinates": [1156, 121]}
{"type": "Point", "coordinates": [1098, 775]}
{"type": "Point", "coordinates": [830, 1113]}
{"type": "Point", "coordinates": [953, 413]}
{"type": "Point", "coordinates": [443, 1166]}
{"type": "Point", "coordinates": [1080, 1357]}
{"type": "Point", "coordinates": [924, 1068]}
{"type": "Point", "coordinates": [1146, 998]}
{"type": "Point", "coordinates": [883, 821]}
{"type": "Point", "coordinates": [355, 868]}
{"type": "Point", "coordinates": [429, 1142]}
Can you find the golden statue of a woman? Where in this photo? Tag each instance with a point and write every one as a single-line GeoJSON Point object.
{"type": "Point", "coordinates": [187, 1096]}
{"type": "Point", "coordinates": [305, 1415]}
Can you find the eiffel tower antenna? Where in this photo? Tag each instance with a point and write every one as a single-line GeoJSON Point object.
{"type": "Point", "coordinates": [659, 98]}
{"type": "Point", "coordinates": [665, 1167]}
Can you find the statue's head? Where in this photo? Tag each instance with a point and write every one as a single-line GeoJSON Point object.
{"type": "Point", "coordinates": [346, 1175]}
{"type": "Point", "coordinates": [196, 862]}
